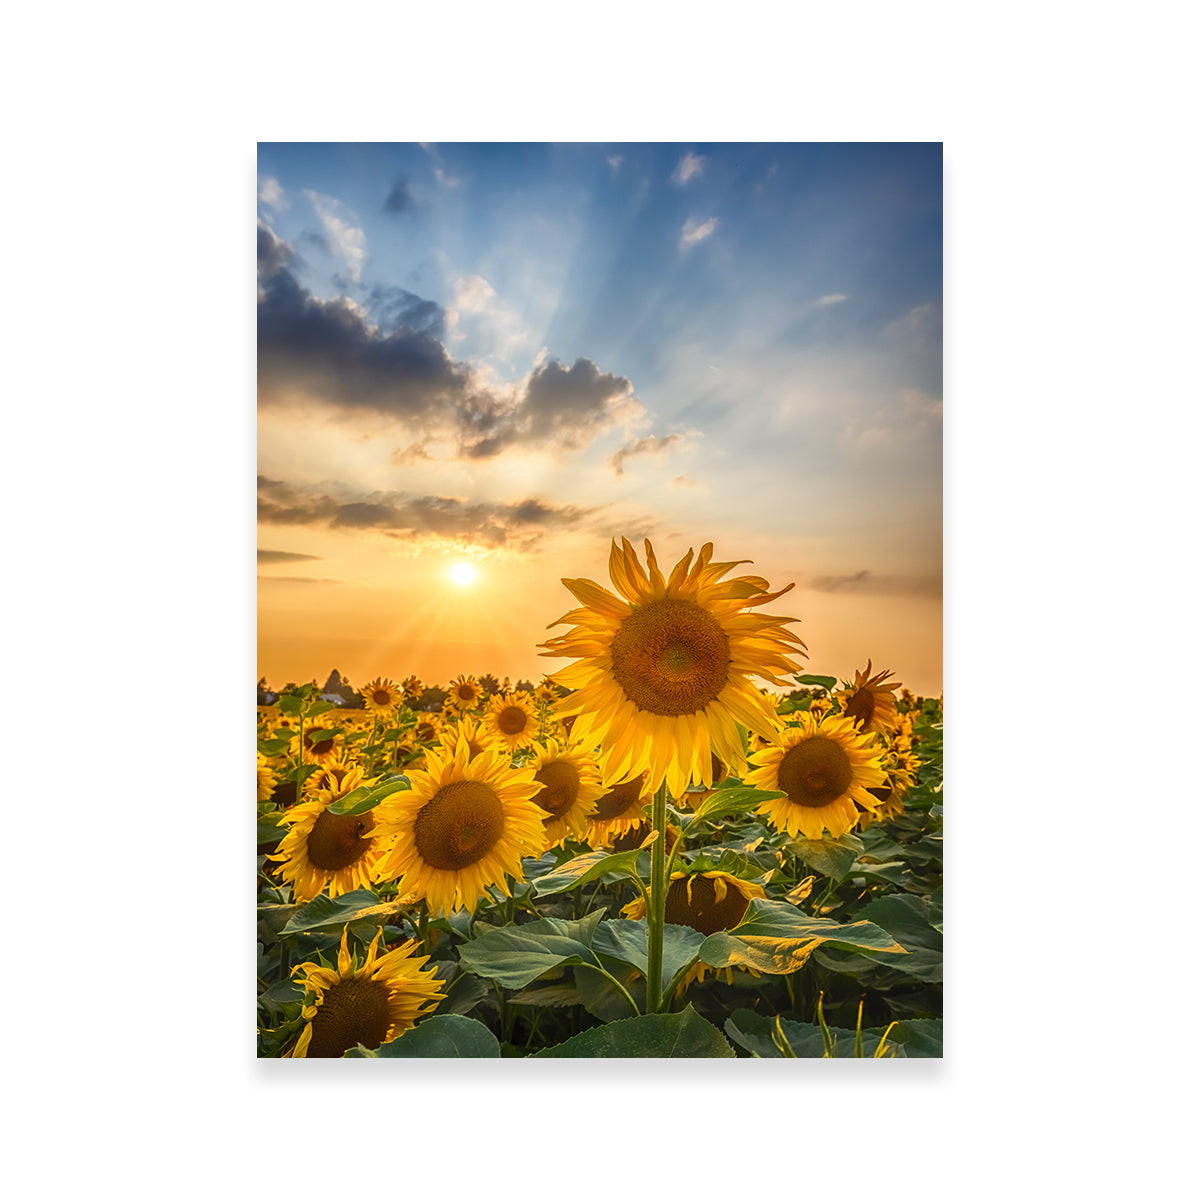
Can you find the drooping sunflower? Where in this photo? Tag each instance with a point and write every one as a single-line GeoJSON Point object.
{"type": "Point", "coordinates": [467, 730]}
{"type": "Point", "coordinates": [619, 807]}
{"type": "Point", "coordinates": [413, 689]}
{"type": "Point", "coordinates": [665, 668]}
{"type": "Point", "coordinates": [570, 786]}
{"type": "Point", "coordinates": [464, 694]}
{"type": "Point", "coordinates": [322, 848]}
{"type": "Point", "coordinates": [381, 696]}
{"type": "Point", "coordinates": [899, 769]}
{"type": "Point", "coordinates": [366, 1005]}
{"type": "Point", "coordinates": [825, 768]}
{"type": "Point", "coordinates": [869, 701]}
{"type": "Point", "coordinates": [466, 823]}
{"type": "Point", "coordinates": [510, 718]}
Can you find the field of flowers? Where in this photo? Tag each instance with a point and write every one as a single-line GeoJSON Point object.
{"type": "Point", "coordinates": [647, 855]}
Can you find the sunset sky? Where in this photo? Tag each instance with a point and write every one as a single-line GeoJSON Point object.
{"type": "Point", "coordinates": [503, 355]}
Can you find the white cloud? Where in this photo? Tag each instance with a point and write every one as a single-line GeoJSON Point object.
{"type": "Point", "coordinates": [615, 161]}
{"type": "Point", "coordinates": [834, 298]}
{"type": "Point", "coordinates": [345, 239]}
{"type": "Point", "coordinates": [270, 192]}
{"type": "Point", "coordinates": [694, 231]}
{"type": "Point", "coordinates": [690, 165]}
{"type": "Point", "coordinates": [439, 172]}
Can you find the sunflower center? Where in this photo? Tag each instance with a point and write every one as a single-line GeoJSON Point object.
{"type": "Point", "coordinates": [459, 825]}
{"type": "Point", "coordinates": [352, 1011]}
{"type": "Point", "coordinates": [618, 800]}
{"type": "Point", "coordinates": [335, 842]}
{"type": "Point", "coordinates": [861, 706]}
{"type": "Point", "coordinates": [383, 697]}
{"type": "Point", "coordinates": [560, 787]}
{"type": "Point", "coordinates": [670, 656]}
{"type": "Point", "coordinates": [702, 910]}
{"type": "Point", "coordinates": [815, 772]}
{"type": "Point", "coordinates": [512, 719]}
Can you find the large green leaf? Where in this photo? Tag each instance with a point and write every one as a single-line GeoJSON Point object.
{"type": "Point", "coordinates": [443, 1036]}
{"type": "Point", "coordinates": [906, 918]}
{"type": "Point", "coordinates": [828, 682]}
{"type": "Point", "coordinates": [324, 914]}
{"type": "Point", "coordinates": [364, 798]}
{"type": "Point", "coordinates": [627, 942]}
{"type": "Point", "coordinates": [832, 857]}
{"type": "Point", "coordinates": [776, 938]}
{"type": "Point", "coordinates": [516, 955]}
{"type": "Point", "coordinates": [921, 1038]}
{"type": "Point", "coordinates": [585, 868]}
{"type": "Point", "coordinates": [725, 802]}
{"type": "Point", "coordinates": [656, 1035]}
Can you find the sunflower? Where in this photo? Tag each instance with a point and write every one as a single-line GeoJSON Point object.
{"type": "Point", "coordinates": [335, 778]}
{"type": "Point", "coordinates": [369, 1006]}
{"type": "Point", "coordinates": [619, 807]}
{"type": "Point", "coordinates": [869, 701]}
{"type": "Point", "coordinates": [318, 748]}
{"type": "Point", "coordinates": [570, 786]}
{"type": "Point", "coordinates": [511, 720]}
{"type": "Point", "coordinates": [323, 848]}
{"type": "Point", "coordinates": [664, 671]}
{"type": "Point", "coordinates": [413, 689]}
{"type": "Point", "coordinates": [825, 768]}
{"type": "Point", "coordinates": [468, 730]}
{"type": "Point", "coordinates": [466, 823]}
{"type": "Point", "coordinates": [267, 779]}
{"type": "Point", "coordinates": [899, 769]}
{"type": "Point", "coordinates": [546, 692]}
{"type": "Point", "coordinates": [464, 694]}
{"type": "Point", "coordinates": [381, 696]}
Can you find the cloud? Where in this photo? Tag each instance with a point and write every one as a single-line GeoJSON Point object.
{"type": "Point", "coordinates": [834, 298]}
{"type": "Point", "coordinates": [421, 520]}
{"type": "Point", "coordinates": [399, 199]}
{"type": "Point", "coordinates": [282, 556]}
{"type": "Point", "coordinates": [439, 172]}
{"type": "Point", "coordinates": [683, 481]}
{"type": "Point", "coordinates": [656, 446]}
{"type": "Point", "coordinates": [388, 358]}
{"type": "Point", "coordinates": [690, 165]}
{"type": "Point", "coordinates": [868, 583]}
{"type": "Point", "coordinates": [293, 579]}
{"type": "Point", "coordinates": [615, 161]}
{"type": "Point", "coordinates": [694, 231]}
{"type": "Point", "coordinates": [346, 240]}
{"type": "Point", "coordinates": [270, 192]}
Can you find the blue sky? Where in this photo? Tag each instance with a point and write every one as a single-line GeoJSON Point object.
{"type": "Point", "coordinates": [514, 352]}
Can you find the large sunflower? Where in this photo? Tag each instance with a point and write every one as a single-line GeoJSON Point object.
{"type": "Point", "coordinates": [825, 768]}
{"type": "Point", "coordinates": [381, 697]}
{"type": "Point", "coordinates": [510, 718]}
{"type": "Point", "coordinates": [323, 848]}
{"type": "Point", "coordinates": [869, 702]}
{"type": "Point", "coordinates": [570, 786]}
{"type": "Point", "coordinates": [466, 823]}
{"type": "Point", "coordinates": [664, 677]}
{"type": "Point", "coordinates": [368, 1006]}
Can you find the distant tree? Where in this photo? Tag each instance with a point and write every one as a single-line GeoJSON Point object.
{"type": "Point", "coordinates": [432, 699]}
{"type": "Point", "coordinates": [265, 695]}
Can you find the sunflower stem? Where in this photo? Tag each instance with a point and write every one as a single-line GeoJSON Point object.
{"type": "Point", "coordinates": [656, 910]}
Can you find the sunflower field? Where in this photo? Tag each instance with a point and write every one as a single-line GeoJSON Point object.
{"type": "Point", "coordinates": [648, 855]}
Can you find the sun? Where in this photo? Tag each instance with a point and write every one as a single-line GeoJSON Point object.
{"type": "Point", "coordinates": [463, 573]}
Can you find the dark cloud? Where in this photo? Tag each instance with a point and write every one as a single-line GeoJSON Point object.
{"type": "Point", "coordinates": [282, 556]}
{"type": "Point", "coordinates": [387, 356]}
{"type": "Point", "coordinates": [399, 199]}
{"type": "Point", "coordinates": [647, 445]}
{"type": "Point", "coordinates": [867, 583]}
{"type": "Point", "coordinates": [517, 526]}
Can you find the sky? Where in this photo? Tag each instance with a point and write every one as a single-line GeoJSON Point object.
{"type": "Point", "coordinates": [479, 363]}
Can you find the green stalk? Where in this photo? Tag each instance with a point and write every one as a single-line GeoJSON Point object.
{"type": "Point", "coordinates": [657, 909]}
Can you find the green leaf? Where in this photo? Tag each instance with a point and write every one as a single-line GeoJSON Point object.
{"type": "Point", "coordinates": [725, 802]}
{"type": "Point", "coordinates": [326, 915]}
{"type": "Point", "coordinates": [766, 1037]}
{"type": "Point", "coordinates": [776, 938]}
{"type": "Point", "coordinates": [270, 747]}
{"type": "Point", "coordinates": [443, 1036]}
{"type": "Point", "coordinates": [921, 1038]}
{"type": "Point", "coordinates": [290, 704]}
{"type": "Point", "coordinates": [657, 1035]}
{"type": "Point", "coordinates": [365, 798]}
{"type": "Point", "coordinates": [268, 830]}
{"type": "Point", "coordinates": [316, 736]}
{"type": "Point", "coordinates": [516, 955]}
{"type": "Point", "coordinates": [828, 856]}
{"type": "Point", "coordinates": [627, 942]}
{"type": "Point", "coordinates": [319, 707]}
{"type": "Point", "coordinates": [828, 682]}
{"type": "Point", "coordinates": [584, 868]}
